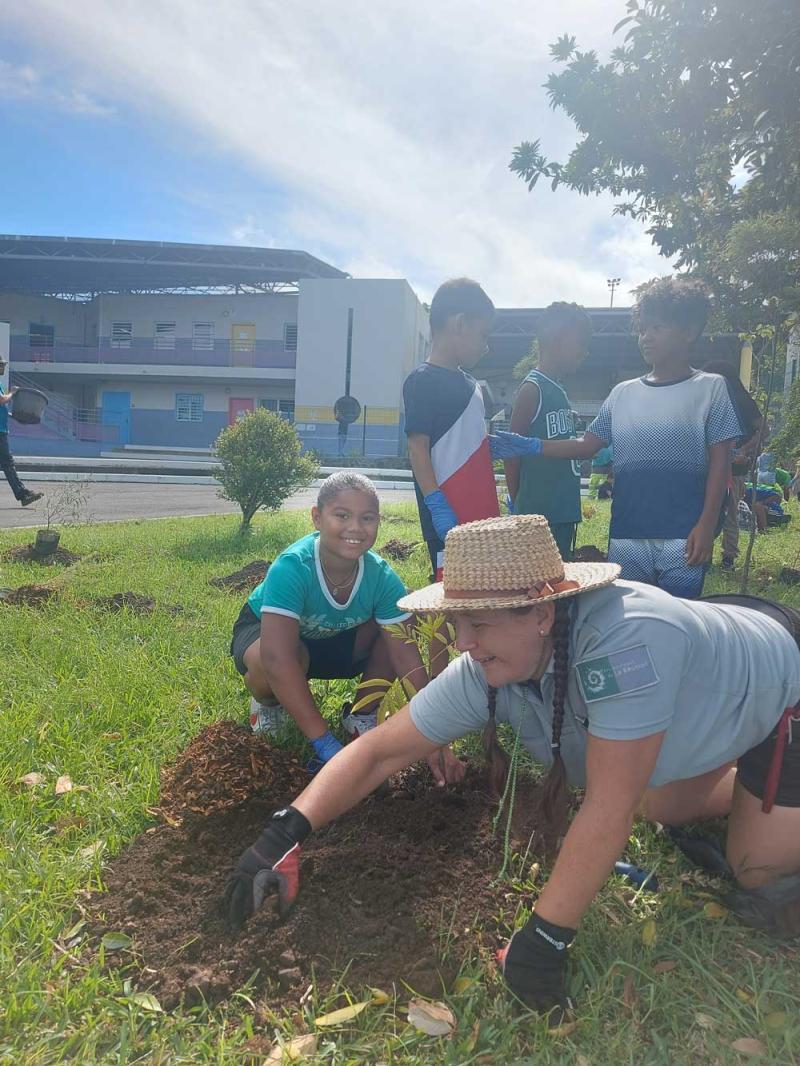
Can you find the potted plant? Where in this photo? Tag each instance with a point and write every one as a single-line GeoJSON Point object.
{"type": "Point", "coordinates": [67, 506]}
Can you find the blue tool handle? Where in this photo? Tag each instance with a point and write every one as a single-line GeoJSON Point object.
{"type": "Point", "coordinates": [637, 875]}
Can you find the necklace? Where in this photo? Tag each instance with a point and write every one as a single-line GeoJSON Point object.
{"type": "Point", "coordinates": [342, 584]}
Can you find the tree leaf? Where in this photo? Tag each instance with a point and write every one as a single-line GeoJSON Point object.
{"type": "Point", "coordinates": [744, 996]}
{"type": "Point", "coordinates": [630, 997]}
{"type": "Point", "coordinates": [705, 1021]}
{"type": "Point", "coordinates": [339, 1017]}
{"type": "Point", "coordinates": [776, 1020]}
{"type": "Point", "coordinates": [147, 1001]}
{"type": "Point", "coordinates": [116, 941]}
{"type": "Point", "coordinates": [463, 984]}
{"type": "Point", "coordinates": [435, 1019]}
{"type": "Point", "coordinates": [379, 997]}
{"type": "Point", "coordinates": [714, 910]}
{"type": "Point", "coordinates": [299, 1047]}
{"type": "Point", "coordinates": [563, 1030]}
{"type": "Point", "coordinates": [64, 784]}
{"type": "Point", "coordinates": [666, 966]}
{"type": "Point", "coordinates": [749, 1047]}
{"type": "Point", "coordinates": [649, 933]}
{"type": "Point", "coordinates": [32, 780]}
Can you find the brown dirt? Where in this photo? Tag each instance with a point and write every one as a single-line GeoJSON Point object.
{"type": "Point", "coordinates": [24, 553]}
{"type": "Point", "coordinates": [398, 550]}
{"type": "Point", "coordinates": [133, 601]}
{"type": "Point", "coordinates": [27, 596]}
{"type": "Point", "coordinates": [381, 886]}
{"type": "Point", "coordinates": [589, 553]}
{"type": "Point", "coordinates": [243, 580]}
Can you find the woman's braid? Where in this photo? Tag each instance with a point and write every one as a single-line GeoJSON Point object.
{"type": "Point", "coordinates": [496, 758]}
{"type": "Point", "coordinates": [552, 804]}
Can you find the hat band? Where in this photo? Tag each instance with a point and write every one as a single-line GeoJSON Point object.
{"type": "Point", "coordinates": [534, 592]}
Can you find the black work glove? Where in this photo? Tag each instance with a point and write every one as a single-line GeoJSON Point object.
{"type": "Point", "coordinates": [534, 965]}
{"type": "Point", "coordinates": [271, 864]}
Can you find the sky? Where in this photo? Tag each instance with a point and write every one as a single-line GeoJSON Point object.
{"type": "Point", "coordinates": [375, 135]}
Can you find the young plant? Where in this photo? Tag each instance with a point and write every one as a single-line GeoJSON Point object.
{"type": "Point", "coordinates": [261, 463]}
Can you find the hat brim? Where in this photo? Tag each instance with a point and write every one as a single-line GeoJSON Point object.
{"type": "Point", "coordinates": [432, 598]}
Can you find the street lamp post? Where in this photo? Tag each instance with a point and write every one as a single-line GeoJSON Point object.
{"type": "Point", "coordinates": [612, 284]}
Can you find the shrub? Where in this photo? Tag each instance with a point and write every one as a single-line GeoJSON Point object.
{"type": "Point", "coordinates": [260, 463]}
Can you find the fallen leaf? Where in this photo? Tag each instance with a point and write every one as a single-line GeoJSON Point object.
{"type": "Point", "coordinates": [91, 850]}
{"type": "Point", "coordinates": [32, 780]}
{"type": "Point", "coordinates": [776, 1020]}
{"type": "Point", "coordinates": [147, 1001]}
{"type": "Point", "coordinates": [562, 1030]}
{"type": "Point", "coordinates": [630, 997]}
{"type": "Point", "coordinates": [379, 997]}
{"type": "Point", "coordinates": [338, 1017]}
{"type": "Point", "coordinates": [749, 1047]}
{"type": "Point", "coordinates": [667, 966]}
{"type": "Point", "coordinates": [75, 932]}
{"type": "Point", "coordinates": [64, 784]}
{"type": "Point", "coordinates": [714, 910]}
{"type": "Point", "coordinates": [435, 1019]}
{"type": "Point", "coordinates": [463, 984]}
{"type": "Point", "coordinates": [705, 1021]}
{"type": "Point", "coordinates": [299, 1047]}
{"type": "Point", "coordinates": [116, 941]}
{"type": "Point", "coordinates": [474, 1036]}
{"type": "Point", "coordinates": [582, 1060]}
{"type": "Point", "coordinates": [649, 933]}
{"type": "Point", "coordinates": [744, 996]}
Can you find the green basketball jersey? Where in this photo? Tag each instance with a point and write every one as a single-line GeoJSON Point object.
{"type": "Point", "coordinates": [550, 487]}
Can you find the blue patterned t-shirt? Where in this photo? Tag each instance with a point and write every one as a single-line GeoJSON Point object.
{"type": "Point", "coordinates": [660, 434]}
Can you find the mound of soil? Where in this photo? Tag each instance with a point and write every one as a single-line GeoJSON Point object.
{"type": "Point", "coordinates": [27, 596]}
{"type": "Point", "coordinates": [24, 553]}
{"type": "Point", "coordinates": [244, 580]}
{"type": "Point", "coordinates": [398, 550]}
{"type": "Point", "coordinates": [133, 601]}
{"type": "Point", "coordinates": [385, 887]}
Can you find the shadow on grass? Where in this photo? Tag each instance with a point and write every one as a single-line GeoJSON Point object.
{"type": "Point", "coordinates": [268, 536]}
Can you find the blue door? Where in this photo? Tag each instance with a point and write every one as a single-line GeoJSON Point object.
{"type": "Point", "coordinates": [117, 413]}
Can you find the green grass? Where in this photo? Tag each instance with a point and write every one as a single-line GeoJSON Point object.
{"type": "Point", "coordinates": [107, 698]}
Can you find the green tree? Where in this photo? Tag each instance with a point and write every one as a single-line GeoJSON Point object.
{"type": "Point", "coordinates": [527, 363]}
{"type": "Point", "coordinates": [693, 125]}
{"type": "Point", "coordinates": [261, 463]}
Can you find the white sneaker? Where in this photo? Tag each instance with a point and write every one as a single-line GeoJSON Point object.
{"type": "Point", "coordinates": [267, 719]}
{"type": "Point", "coordinates": [356, 725]}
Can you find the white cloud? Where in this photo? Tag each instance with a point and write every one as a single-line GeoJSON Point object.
{"type": "Point", "coordinates": [387, 126]}
{"type": "Point", "coordinates": [26, 84]}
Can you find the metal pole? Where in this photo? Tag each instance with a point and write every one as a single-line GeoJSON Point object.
{"type": "Point", "coordinates": [364, 433]}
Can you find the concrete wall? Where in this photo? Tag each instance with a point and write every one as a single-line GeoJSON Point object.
{"type": "Point", "coordinates": [388, 321]}
{"type": "Point", "coordinates": [70, 318]}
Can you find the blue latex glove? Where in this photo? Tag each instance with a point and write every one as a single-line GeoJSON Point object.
{"type": "Point", "coordinates": [637, 876]}
{"type": "Point", "coordinates": [326, 746]}
{"type": "Point", "coordinates": [506, 445]}
{"type": "Point", "coordinates": [443, 515]}
{"type": "Point", "coordinates": [509, 504]}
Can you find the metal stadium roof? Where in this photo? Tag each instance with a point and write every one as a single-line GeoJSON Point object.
{"type": "Point", "coordinates": [78, 266]}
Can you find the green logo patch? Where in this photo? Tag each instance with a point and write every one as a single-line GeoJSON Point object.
{"type": "Point", "coordinates": [621, 671]}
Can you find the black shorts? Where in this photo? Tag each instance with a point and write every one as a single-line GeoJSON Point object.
{"type": "Point", "coordinates": [332, 657]}
{"type": "Point", "coordinates": [752, 767]}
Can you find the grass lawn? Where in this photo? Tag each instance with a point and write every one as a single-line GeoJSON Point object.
{"type": "Point", "coordinates": [107, 698]}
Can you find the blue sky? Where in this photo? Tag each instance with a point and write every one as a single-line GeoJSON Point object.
{"type": "Point", "coordinates": [374, 136]}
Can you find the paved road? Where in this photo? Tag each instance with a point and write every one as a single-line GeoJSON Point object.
{"type": "Point", "coordinates": [115, 501]}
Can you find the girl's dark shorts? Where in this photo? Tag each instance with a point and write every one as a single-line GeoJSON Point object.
{"type": "Point", "coordinates": [753, 766]}
{"type": "Point", "coordinates": [330, 658]}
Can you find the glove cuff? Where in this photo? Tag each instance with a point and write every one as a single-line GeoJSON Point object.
{"type": "Point", "coordinates": [544, 936]}
{"type": "Point", "coordinates": [294, 825]}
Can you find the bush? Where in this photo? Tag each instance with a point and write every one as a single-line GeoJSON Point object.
{"type": "Point", "coordinates": [260, 463]}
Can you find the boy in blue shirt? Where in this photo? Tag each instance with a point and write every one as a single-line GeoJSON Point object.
{"type": "Point", "coordinates": [22, 494]}
{"type": "Point", "coordinates": [672, 431]}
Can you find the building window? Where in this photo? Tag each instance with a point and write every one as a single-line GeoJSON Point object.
{"type": "Point", "coordinates": [290, 336]}
{"type": "Point", "coordinates": [285, 408]}
{"type": "Point", "coordinates": [121, 334]}
{"type": "Point", "coordinates": [40, 336]}
{"type": "Point", "coordinates": [164, 336]}
{"type": "Point", "coordinates": [189, 406]}
{"type": "Point", "coordinates": [203, 336]}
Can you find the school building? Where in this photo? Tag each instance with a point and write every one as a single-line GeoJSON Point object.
{"type": "Point", "coordinates": [150, 344]}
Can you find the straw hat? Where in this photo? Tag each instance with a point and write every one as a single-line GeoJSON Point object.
{"type": "Point", "coordinates": [505, 562]}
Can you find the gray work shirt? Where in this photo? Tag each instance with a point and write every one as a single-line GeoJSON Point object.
{"type": "Point", "coordinates": [714, 678]}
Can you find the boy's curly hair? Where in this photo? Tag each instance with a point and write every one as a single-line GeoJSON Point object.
{"type": "Point", "coordinates": [676, 301]}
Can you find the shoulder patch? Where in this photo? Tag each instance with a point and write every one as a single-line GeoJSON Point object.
{"type": "Point", "coordinates": [622, 671]}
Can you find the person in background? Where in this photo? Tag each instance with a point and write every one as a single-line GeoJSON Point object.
{"type": "Point", "coordinates": [22, 494]}
{"type": "Point", "coordinates": [551, 487]}
{"type": "Point", "coordinates": [742, 456]}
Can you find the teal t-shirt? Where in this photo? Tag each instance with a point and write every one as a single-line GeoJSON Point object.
{"type": "Point", "coordinates": [3, 413]}
{"type": "Point", "coordinates": [551, 487]}
{"type": "Point", "coordinates": [295, 587]}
